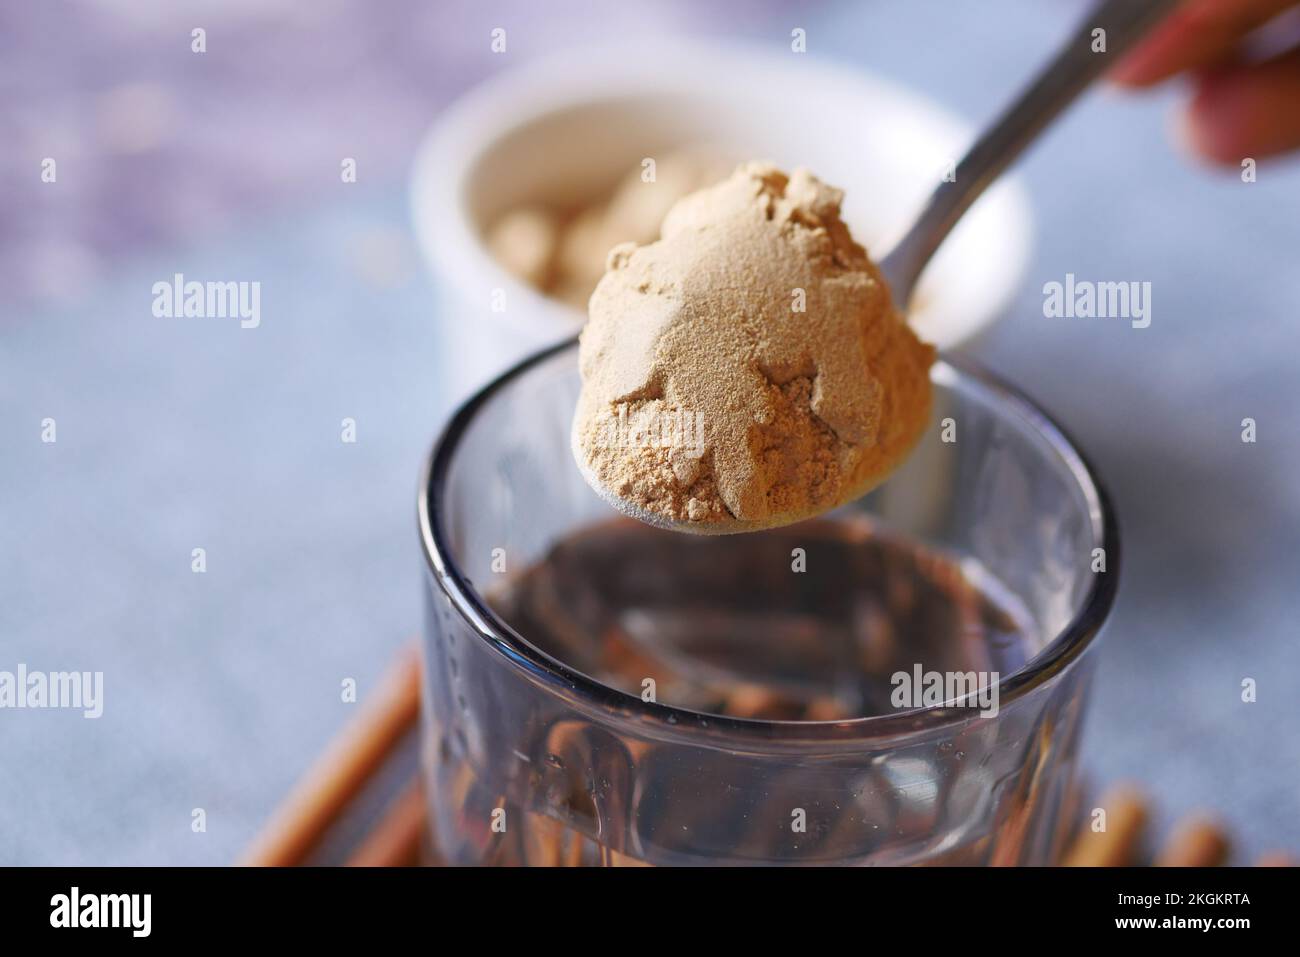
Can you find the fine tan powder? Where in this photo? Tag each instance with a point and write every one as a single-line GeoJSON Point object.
{"type": "Point", "coordinates": [748, 369]}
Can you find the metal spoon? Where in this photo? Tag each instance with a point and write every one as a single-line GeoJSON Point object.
{"type": "Point", "coordinates": [1058, 83]}
{"type": "Point", "coordinates": [1067, 75]}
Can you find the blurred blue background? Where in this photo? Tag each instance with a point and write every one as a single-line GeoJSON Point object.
{"type": "Point", "coordinates": [221, 688]}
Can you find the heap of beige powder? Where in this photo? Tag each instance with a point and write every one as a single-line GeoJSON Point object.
{"type": "Point", "coordinates": [748, 369]}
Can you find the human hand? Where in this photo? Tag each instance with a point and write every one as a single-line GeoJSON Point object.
{"type": "Point", "coordinates": [1242, 105]}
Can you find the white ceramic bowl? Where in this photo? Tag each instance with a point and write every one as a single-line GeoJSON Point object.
{"type": "Point", "coordinates": [565, 129]}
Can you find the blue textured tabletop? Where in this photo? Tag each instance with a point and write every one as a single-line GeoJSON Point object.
{"type": "Point", "coordinates": [221, 687]}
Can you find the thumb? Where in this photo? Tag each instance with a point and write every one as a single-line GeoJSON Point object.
{"type": "Point", "coordinates": [1246, 110]}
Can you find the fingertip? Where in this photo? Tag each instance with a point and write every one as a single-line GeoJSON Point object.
{"type": "Point", "coordinates": [1201, 133]}
{"type": "Point", "coordinates": [1210, 124]}
{"type": "Point", "coordinates": [1169, 48]}
{"type": "Point", "coordinates": [1142, 68]}
{"type": "Point", "coordinates": [1136, 71]}
{"type": "Point", "coordinates": [1246, 111]}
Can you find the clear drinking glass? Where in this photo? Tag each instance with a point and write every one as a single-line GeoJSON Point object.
{"type": "Point", "coordinates": [529, 759]}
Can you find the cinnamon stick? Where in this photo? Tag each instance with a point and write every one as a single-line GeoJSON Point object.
{"type": "Point", "coordinates": [1197, 841]}
{"type": "Point", "coordinates": [342, 771]}
{"type": "Point", "coordinates": [395, 840]}
{"type": "Point", "coordinates": [1118, 844]}
{"type": "Point", "coordinates": [1275, 859]}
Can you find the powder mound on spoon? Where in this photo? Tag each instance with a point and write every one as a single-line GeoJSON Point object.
{"type": "Point", "coordinates": [749, 369]}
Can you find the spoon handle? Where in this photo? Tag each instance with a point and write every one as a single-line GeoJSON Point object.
{"type": "Point", "coordinates": [1056, 86]}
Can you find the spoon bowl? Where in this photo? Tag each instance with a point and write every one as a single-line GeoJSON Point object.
{"type": "Point", "coordinates": [1119, 24]}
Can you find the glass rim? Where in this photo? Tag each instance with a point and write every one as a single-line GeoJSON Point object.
{"type": "Point", "coordinates": [1052, 659]}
